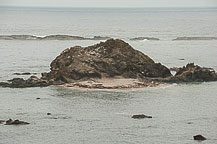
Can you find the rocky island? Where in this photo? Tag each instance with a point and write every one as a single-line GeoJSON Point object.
{"type": "Point", "coordinates": [113, 64]}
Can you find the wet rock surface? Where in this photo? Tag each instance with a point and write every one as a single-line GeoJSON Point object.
{"type": "Point", "coordinates": [141, 116]}
{"type": "Point", "coordinates": [199, 137]}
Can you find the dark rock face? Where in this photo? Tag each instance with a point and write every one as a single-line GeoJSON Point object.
{"type": "Point", "coordinates": [196, 38]}
{"type": "Point", "coordinates": [33, 81]}
{"type": "Point", "coordinates": [199, 137]}
{"type": "Point", "coordinates": [194, 73]}
{"type": "Point", "coordinates": [109, 59]}
{"type": "Point", "coordinates": [16, 122]}
{"type": "Point", "coordinates": [144, 38]}
{"type": "Point", "coordinates": [141, 116]}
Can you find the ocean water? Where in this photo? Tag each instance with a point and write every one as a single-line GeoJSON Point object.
{"type": "Point", "coordinates": [104, 117]}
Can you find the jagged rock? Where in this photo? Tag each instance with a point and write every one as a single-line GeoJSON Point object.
{"type": "Point", "coordinates": [144, 38]}
{"type": "Point", "coordinates": [194, 73]}
{"type": "Point", "coordinates": [106, 59]}
{"type": "Point", "coordinates": [16, 122]}
{"type": "Point", "coordinates": [141, 116]}
{"type": "Point", "coordinates": [199, 137]}
{"type": "Point", "coordinates": [196, 38]}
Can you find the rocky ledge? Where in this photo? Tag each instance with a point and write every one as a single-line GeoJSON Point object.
{"type": "Point", "coordinates": [114, 59]}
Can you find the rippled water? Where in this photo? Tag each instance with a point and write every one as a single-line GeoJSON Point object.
{"type": "Point", "coordinates": [104, 117]}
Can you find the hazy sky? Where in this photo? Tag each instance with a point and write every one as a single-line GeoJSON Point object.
{"type": "Point", "coordinates": [111, 3]}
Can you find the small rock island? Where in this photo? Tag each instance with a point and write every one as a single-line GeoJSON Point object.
{"type": "Point", "coordinates": [112, 64]}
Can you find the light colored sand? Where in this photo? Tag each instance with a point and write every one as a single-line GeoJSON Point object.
{"type": "Point", "coordinates": [117, 83]}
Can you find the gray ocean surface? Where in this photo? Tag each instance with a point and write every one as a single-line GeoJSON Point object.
{"type": "Point", "coordinates": [104, 117]}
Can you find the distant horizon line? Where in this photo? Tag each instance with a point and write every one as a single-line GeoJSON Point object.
{"type": "Point", "coordinates": [56, 7]}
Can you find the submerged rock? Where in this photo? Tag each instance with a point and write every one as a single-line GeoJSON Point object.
{"type": "Point", "coordinates": [16, 122]}
{"type": "Point", "coordinates": [144, 38]}
{"type": "Point", "coordinates": [196, 38]}
{"type": "Point", "coordinates": [141, 116]}
{"type": "Point", "coordinates": [199, 137]}
{"type": "Point", "coordinates": [106, 59]}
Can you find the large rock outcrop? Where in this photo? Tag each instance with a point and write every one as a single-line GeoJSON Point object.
{"type": "Point", "coordinates": [106, 59]}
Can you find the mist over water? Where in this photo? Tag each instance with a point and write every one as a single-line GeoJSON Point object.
{"type": "Point", "coordinates": [104, 117]}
